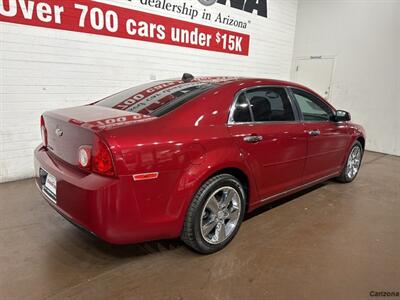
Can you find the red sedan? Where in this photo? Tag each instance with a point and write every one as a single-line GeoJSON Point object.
{"type": "Point", "coordinates": [188, 158]}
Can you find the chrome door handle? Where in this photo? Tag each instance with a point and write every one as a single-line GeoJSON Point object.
{"type": "Point", "coordinates": [314, 132]}
{"type": "Point", "coordinates": [253, 138]}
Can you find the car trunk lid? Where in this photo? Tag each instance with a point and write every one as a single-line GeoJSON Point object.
{"type": "Point", "coordinates": [69, 129]}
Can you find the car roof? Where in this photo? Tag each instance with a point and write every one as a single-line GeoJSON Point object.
{"type": "Point", "coordinates": [248, 81]}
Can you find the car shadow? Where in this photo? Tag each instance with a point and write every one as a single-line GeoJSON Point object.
{"type": "Point", "coordinates": [154, 247]}
{"type": "Point", "coordinates": [276, 203]}
{"type": "Point", "coordinates": [86, 239]}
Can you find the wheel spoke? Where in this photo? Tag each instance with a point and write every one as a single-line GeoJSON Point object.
{"type": "Point", "coordinates": [220, 233]}
{"type": "Point", "coordinates": [208, 227]}
{"type": "Point", "coordinates": [213, 205]}
{"type": "Point", "coordinates": [227, 197]}
{"type": "Point", "coordinates": [349, 173]}
{"type": "Point", "coordinates": [234, 215]}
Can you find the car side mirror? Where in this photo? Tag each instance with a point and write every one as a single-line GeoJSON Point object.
{"type": "Point", "coordinates": [342, 116]}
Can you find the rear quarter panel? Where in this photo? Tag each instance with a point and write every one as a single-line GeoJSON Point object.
{"type": "Point", "coordinates": [186, 147]}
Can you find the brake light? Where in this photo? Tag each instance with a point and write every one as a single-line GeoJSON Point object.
{"type": "Point", "coordinates": [101, 159]}
{"type": "Point", "coordinates": [43, 131]}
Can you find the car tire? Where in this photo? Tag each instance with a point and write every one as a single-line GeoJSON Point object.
{"type": "Point", "coordinates": [353, 163]}
{"type": "Point", "coordinates": [210, 207]}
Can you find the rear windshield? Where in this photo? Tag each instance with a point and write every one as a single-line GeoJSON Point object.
{"type": "Point", "coordinates": [156, 99]}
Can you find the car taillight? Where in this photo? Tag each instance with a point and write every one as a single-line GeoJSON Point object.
{"type": "Point", "coordinates": [101, 159]}
{"type": "Point", "coordinates": [43, 131]}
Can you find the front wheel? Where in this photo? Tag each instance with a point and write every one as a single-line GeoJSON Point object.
{"type": "Point", "coordinates": [353, 164]}
{"type": "Point", "coordinates": [215, 214]}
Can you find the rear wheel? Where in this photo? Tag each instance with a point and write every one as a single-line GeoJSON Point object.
{"type": "Point", "coordinates": [353, 164]}
{"type": "Point", "coordinates": [215, 214]}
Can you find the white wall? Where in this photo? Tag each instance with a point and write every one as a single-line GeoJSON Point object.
{"type": "Point", "coordinates": [364, 36]}
{"type": "Point", "coordinates": [44, 69]}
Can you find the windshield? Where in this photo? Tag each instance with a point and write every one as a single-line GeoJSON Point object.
{"type": "Point", "coordinates": [156, 99]}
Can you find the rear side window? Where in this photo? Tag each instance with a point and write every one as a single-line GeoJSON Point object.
{"type": "Point", "coordinates": [242, 110]}
{"type": "Point", "coordinates": [156, 99]}
{"type": "Point", "coordinates": [311, 107]}
{"type": "Point", "coordinates": [267, 104]}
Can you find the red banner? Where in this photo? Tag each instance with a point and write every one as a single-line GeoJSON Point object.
{"type": "Point", "coordinates": [109, 20]}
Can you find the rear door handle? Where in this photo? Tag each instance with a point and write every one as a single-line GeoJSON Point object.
{"type": "Point", "coordinates": [314, 132]}
{"type": "Point", "coordinates": [253, 138]}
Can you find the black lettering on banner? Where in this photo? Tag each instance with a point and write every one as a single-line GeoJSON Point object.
{"type": "Point", "coordinates": [249, 6]}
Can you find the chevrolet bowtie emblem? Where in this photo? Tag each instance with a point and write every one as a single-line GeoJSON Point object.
{"type": "Point", "coordinates": [59, 132]}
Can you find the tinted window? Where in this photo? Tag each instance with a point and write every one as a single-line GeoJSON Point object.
{"type": "Point", "coordinates": [242, 110]}
{"type": "Point", "coordinates": [270, 104]}
{"type": "Point", "coordinates": [311, 107]}
{"type": "Point", "coordinates": [156, 99]}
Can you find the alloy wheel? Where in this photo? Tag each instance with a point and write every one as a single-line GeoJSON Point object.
{"type": "Point", "coordinates": [354, 162]}
{"type": "Point", "coordinates": [220, 215]}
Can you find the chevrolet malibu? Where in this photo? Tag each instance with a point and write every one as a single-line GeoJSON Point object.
{"type": "Point", "coordinates": [189, 158]}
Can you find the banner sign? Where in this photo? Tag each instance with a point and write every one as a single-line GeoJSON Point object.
{"type": "Point", "coordinates": [109, 20]}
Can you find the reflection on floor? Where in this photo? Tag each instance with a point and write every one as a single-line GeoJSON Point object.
{"type": "Point", "coordinates": [332, 242]}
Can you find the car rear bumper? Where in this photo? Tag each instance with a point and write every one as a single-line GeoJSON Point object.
{"type": "Point", "coordinates": [103, 206]}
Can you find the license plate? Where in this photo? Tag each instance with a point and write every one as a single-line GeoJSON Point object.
{"type": "Point", "coordinates": [50, 185]}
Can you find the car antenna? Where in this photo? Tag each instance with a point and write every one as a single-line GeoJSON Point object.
{"type": "Point", "coordinates": [187, 77]}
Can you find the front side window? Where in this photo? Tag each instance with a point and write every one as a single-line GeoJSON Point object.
{"type": "Point", "coordinates": [311, 107]}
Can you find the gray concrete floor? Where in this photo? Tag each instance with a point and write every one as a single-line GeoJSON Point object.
{"type": "Point", "coordinates": [332, 242]}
